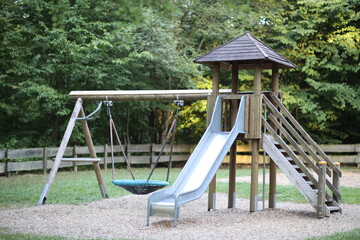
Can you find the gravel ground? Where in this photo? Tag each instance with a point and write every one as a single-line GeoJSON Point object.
{"type": "Point", "coordinates": [125, 217]}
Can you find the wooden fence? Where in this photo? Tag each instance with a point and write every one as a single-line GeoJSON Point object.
{"type": "Point", "coordinates": [17, 160]}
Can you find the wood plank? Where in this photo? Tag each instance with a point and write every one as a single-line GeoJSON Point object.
{"type": "Point", "coordinates": [139, 148]}
{"type": "Point", "coordinates": [177, 148]}
{"type": "Point", "coordinates": [139, 159]}
{"type": "Point", "coordinates": [344, 158]}
{"type": "Point", "coordinates": [246, 159]}
{"type": "Point", "coordinates": [25, 153]}
{"type": "Point", "coordinates": [81, 159]}
{"type": "Point", "coordinates": [335, 148]}
{"type": "Point", "coordinates": [24, 166]}
{"type": "Point", "coordinates": [2, 167]}
{"type": "Point", "coordinates": [175, 158]}
{"type": "Point", "coordinates": [3, 154]}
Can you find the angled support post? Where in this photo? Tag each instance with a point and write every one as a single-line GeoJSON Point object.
{"type": "Point", "coordinates": [92, 152]}
{"type": "Point", "coordinates": [61, 151]}
{"type": "Point", "coordinates": [77, 112]}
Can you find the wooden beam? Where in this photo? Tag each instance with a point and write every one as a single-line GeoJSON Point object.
{"type": "Point", "coordinates": [150, 95]}
{"type": "Point", "coordinates": [234, 110]}
{"type": "Point", "coordinates": [272, 165]}
{"type": "Point", "coordinates": [255, 145]}
{"type": "Point", "coordinates": [210, 108]}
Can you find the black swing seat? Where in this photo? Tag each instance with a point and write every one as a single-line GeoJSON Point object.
{"type": "Point", "coordinates": [140, 186]}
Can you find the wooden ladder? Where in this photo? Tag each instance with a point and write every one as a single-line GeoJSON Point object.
{"type": "Point", "coordinates": [301, 159]}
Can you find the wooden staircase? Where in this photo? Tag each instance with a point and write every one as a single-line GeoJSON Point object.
{"type": "Point", "coordinates": [308, 168]}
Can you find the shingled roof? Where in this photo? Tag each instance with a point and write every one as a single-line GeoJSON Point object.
{"type": "Point", "coordinates": [248, 51]}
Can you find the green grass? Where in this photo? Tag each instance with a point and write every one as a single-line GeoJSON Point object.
{"type": "Point", "coordinates": [79, 187]}
{"type": "Point", "coordinates": [68, 187]}
{"type": "Point", "coordinates": [6, 235]}
{"type": "Point", "coordinates": [349, 235]}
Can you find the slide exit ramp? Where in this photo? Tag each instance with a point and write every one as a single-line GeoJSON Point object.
{"type": "Point", "coordinates": [200, 168]}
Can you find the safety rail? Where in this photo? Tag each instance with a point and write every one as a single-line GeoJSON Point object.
{"type": "Point", "coordinates": [285, 130]}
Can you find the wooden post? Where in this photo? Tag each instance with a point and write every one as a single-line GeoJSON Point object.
{"type": "Point", "coordinates": [92, 152]}
{"type": "Point", "coordinates": [61, 151]}
{"type": "Point", "coordinates": [234, 110]}
{"type": "Point", "coordinates": [357, 149]}
{"type": "Point", "coordinates": [105, 156]}
{"type": "Point", "coordinates": [321, 208]}
{"type": "Point", "coordinates": [255, 145]}
{"type": "Point", "coordinates": [210, 109]}
{"type": "Point", "coordinates": [75, 156]}
{"type": "Point", "coordinates": [7, 160]}
{"type": "Point", "coordinates": [336, 182]}
{"type": "Point", "coordinates": [272, 165]}
{"type": "Point", "coordinates": [45, 157]}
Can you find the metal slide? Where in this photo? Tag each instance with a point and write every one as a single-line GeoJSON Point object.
{"type": "Point", "coordinates": [200, 168]}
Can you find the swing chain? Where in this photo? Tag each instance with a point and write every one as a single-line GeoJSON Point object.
{"type": "Point", "coordinates": [108, 104]}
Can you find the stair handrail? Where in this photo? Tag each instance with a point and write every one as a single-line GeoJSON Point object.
{"type": "Point", "coordinates": [290, 152]}
{"type": "Point", "coordinates": [283, 121]}
{"type": "Point", "coordinates": [305, 135]}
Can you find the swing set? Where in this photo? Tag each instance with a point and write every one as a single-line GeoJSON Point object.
{"type": "Point", "coordinates": [141, 186]}
{"type": "Point", "coordinates": [135, 186]}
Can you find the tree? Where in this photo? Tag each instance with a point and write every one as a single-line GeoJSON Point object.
{"type": "Point", "coordinates": [322, 38]}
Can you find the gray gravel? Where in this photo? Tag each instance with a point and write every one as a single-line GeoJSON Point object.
{"type": "Point", "coordinates": [125, 217]}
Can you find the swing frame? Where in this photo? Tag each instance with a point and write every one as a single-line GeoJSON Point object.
{"type": "Point", "coordinates": [78, 114]}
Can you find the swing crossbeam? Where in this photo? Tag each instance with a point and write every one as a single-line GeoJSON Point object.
{"type": "Point", "coordinates": [144, 95]}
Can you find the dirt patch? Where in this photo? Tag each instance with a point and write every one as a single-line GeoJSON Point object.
{"type": "Point", "coordinates": [125, 217]}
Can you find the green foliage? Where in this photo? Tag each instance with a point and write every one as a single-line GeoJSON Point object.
{"type": "Point", "coordinates": [322, 38]}
{"type": "Point", "coordinates": [49, 48]}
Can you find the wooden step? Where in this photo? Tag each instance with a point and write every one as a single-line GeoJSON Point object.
{"type": "Point", "coordinates": [310, 182]}
{"type": "Point", "coordinates": [333, 208]}
{"type": "Point", "coordinates": [296, 167]}
{"type": "Point", "coordinates": [80, 159]}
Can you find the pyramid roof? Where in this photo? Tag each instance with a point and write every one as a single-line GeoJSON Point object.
{"type": "Point", "coordinates": [247, 51]}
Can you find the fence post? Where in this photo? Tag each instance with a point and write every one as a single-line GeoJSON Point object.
{"type": "Point", "coordinates": [45, 158]}
{"type": "Point", "coordinates": [7, 172]}
{"type": "Point", "coordinates": [321, 208]}
{"type": "Point", "coordinates": [336, 182]}
{"type": "Point", "coordinates": [75, 156]}
{"type": "Point", "coordinates": [105, 155]}
{"type": "Point", "coordinates": [152, 155]}
{"type": "Point", "coordinates": [357, 149]}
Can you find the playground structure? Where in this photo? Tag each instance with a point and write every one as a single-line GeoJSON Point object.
{"type": "Point", "coordinates": [289, 146]}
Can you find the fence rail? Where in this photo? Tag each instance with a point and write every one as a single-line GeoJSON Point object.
{"type": "Point", "coordinates": [17, 160]}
